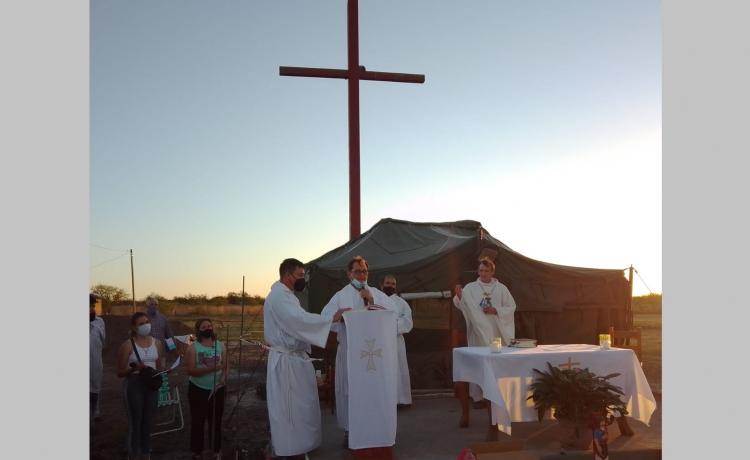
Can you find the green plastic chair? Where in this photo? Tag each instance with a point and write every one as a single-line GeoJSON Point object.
{"type": "Point", "coordinates": [169, 397]}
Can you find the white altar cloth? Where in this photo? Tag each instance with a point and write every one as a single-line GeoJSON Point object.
{"type": "Point", "coordinates": [505, 377]}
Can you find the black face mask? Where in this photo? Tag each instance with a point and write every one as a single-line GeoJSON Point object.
{"type": "Point", "coordinates": [206, 333]}
{"type": "Point", "coordinates": [92, 316]}
{"type": "Point", "coordinates": [299, 285]}
{"type": "Point", "coordinates": [389, 290]}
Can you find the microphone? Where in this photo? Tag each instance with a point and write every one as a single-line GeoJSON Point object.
{"type": "Point", "coordinates": [360, 289]}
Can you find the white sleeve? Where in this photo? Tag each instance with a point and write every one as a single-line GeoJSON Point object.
{"type": "Point", "coordinates": [330, 309]}
{"type": "Point", "coordinates": [379, 298]}
{"type": "Point", "coordinates": [99, 325]}
{"type": "Point", "coordinates": [303, 326]}
{"type": "Point", "coordinates": [405, 323]}
{"type": "Point", "coordinates": [507, 303]}
{"type": "Point", "coordinates": [505, 315]}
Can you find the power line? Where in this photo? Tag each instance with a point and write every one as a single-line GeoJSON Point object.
{"type": "Point", "coordinates": [110, 260]}
{"type": "Point", "coordinates": [108, 249]}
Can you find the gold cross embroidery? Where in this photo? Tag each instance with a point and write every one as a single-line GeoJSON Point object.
{"type": "Point", "coordinates": [569, 364]}
{"type": "Point", "coordinates": [370, 353]}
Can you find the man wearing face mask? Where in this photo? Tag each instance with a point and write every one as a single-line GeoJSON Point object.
{"type": "Point", "coordinates": [160, 329]}
{"type": "Point", "coordinates": [291, 387]}
{"type": "Point", "coordinates": [405, 324]}
{"type": "Point", "coordinates": [96, 344]}
{"type": "Point", "coordinates": [356, 295]}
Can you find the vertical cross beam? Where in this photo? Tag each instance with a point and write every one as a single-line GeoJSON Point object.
{"type": "Point", "coordinates": [352, 38]}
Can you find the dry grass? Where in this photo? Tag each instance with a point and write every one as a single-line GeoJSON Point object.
{"type": "Point", "coordinates": [650, 324]}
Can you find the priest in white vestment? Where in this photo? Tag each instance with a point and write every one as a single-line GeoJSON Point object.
{"type": "Point", "coordinates": [291, 388]}
{"type": "Point", "coordinates": [488, 308]}
{"type": "Point", "coordinates": [405, 324]}
{"type": "Point", "coordinates": [356, 295]}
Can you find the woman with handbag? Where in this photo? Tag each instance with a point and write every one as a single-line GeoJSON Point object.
{"type": "Point", "coordinates": [138, 359]}
{"type": "Point", "coordinates": [207, 366]}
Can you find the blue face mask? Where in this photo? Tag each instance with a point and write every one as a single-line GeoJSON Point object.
{"type": "Point", "coordinates": [359, 284]}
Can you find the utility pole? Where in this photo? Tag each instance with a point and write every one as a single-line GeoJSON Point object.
{"type": "Point", "coordinates": [132, 279]}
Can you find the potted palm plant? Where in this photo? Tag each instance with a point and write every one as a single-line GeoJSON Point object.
{"type": "Point", "coordinates": [581, 400]}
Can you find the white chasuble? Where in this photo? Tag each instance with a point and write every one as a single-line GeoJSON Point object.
{"type": "Point", "coordinates": [373, 377]}
{"type": "Point", "coordinates": [481, 328]}
{"type": "Point", "coordinates": [347, 297]}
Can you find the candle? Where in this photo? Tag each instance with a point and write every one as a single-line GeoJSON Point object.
{"type": "Point", "coordinates": [496, 345]}
{"type": "Point", "coordinates": [605, 341]}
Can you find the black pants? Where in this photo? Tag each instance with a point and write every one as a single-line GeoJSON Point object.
{"type": "Point", "coordinates": [203, 409]}
{"type": "Point", "coordinates": [93, 401]}
{"type": "Point", "coordinates": [140, 404]}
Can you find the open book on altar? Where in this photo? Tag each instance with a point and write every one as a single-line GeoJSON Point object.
{"type": "Point", "coordinates": [372, 363]}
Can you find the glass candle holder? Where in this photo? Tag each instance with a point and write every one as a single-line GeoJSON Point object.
{"type": "Point", "coordinates": [496, 345]}
{"type": "Point", "coordinates": [605, 341]}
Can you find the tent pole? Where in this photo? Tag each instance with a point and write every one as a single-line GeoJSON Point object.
{"type": "Point", "coordinates": [629, 309]}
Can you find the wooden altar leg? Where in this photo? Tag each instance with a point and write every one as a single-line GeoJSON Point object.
{"type": "Point", "coordinates": [492, 428]}
{"type": "Point", "coordinates": [461, 390]}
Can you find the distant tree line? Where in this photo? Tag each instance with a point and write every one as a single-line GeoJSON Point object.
{"type": "Point", "coordinates": [113, 295]}
{"type": "Point", "coordinates": [650, 303]}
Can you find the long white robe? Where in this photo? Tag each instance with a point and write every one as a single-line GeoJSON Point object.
{"type": "Point", "coordinates": [481, 328]}
{"type": "Point", "coordinates": [348, 297]}
{"type": "Point", "coordinates": [405, 324]}
{"type": "Point", "coordinates": [97, 337]}
{"type": "Point", "coordinates": [291, 388]}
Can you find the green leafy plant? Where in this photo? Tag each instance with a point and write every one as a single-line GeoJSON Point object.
{"type": "Point", "coordinates": [577, 395]}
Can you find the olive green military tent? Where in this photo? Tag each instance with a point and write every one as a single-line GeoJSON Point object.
{"type": "Point", "coordinates": [555, 303]}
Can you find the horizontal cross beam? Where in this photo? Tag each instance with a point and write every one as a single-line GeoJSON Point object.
{"type": "Point", "coordinates": [362, 74]}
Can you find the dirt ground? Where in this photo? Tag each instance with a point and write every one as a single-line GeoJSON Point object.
{"type": "Point", "coordinates": [245, 416]}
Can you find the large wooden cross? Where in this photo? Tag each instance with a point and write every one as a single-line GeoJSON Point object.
{"type": "Point", "coordinates": [354, 73]}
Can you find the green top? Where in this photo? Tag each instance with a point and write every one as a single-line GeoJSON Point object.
{"type": "Point", "coordinates": [203, 356]}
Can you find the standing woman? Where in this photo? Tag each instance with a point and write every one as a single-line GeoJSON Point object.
{"type": "Point", "coordinates": [207, 367]}
{"type": "Point", "coordinates": [140, 401]}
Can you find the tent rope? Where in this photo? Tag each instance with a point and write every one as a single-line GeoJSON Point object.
{"type": "Point", "coordinates": [644, 282]}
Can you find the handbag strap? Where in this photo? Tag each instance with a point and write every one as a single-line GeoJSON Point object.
{"type": "Point", "coordinates": [135, 350]}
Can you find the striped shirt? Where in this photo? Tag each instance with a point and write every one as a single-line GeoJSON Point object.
{"type": "Point", "coordinates": [159, 326]}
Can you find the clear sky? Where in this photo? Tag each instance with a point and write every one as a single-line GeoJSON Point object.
{"type": "Point", "coordinates": [540, 119]}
